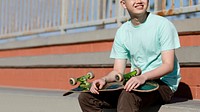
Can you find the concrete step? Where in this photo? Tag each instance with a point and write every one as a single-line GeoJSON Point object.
{"type": "Point", "coordinates": [185, 106]}
{"type": "Point", "coordinates": [26, 100]}
{"type": "Point", "coordinates": [23, 100]}
{"type": "Point", "coordinates": [177, 105]}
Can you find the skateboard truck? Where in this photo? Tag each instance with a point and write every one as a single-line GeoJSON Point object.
{"type": "Point", "coordinates": [83, 80]}
{"type": "Point", "coordinates": [119, 77]}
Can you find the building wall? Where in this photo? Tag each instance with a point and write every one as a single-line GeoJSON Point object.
{"type": "Point", "coordinates": [48, 63]}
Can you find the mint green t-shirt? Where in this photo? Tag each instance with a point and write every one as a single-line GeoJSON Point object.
{"type": "Point", "coordinates": [142, 46]}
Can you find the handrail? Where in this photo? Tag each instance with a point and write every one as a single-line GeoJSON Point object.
{"type": "Point", "coordinates": [27, 17]}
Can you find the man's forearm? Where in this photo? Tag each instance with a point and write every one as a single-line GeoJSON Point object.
{"type": "Point", "coordinates": [119, 67]}
{"type": "Point", "coordinates": [110, 77]}
{"type": "Point", "coordinates": [158, 72]}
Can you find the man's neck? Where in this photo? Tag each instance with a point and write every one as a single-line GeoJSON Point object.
{"type": "Point", "coordinates": [137, 20]}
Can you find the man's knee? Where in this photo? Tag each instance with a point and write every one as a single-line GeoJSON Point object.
{"type": "Point", "coordinates": [124, 96]}
{"type": "Point", "coordinates": [128, 102]}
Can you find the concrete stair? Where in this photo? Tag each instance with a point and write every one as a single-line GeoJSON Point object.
{"type": "Point", "coordinates": [26, 100]}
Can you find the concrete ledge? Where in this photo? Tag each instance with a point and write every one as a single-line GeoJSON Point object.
{"type": "Point", "coordinates": [92, 36]}
{"type": "Point", "coordinates": [187, 26]}
{"type": "Point", "coordinates": [185, 106]}
{"type": "Point", "coordinates": [57, 60]}
{"type": "Point", "coordinates": [188, 56]}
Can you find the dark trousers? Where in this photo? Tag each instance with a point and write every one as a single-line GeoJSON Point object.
{"type": "Point", "coordinates": [125, 101]}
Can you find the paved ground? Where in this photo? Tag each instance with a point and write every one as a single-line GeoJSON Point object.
{"type": "Point", "coordinates": [19, 100]}
{"type": "Point", "coordinates": [24, 100]}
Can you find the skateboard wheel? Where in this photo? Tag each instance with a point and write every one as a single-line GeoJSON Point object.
{"type": "Point", "coordinates": [91, 75]}
{"type": "Point", "coordinates": [118, 77]}
{"type": "Point", "coordinates": [72, 81]}
{"type": "Point", "coordinates": [138, 70]}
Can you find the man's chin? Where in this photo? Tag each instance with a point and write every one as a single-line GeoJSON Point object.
{"type": "Point", "coordinates": [138, 13]}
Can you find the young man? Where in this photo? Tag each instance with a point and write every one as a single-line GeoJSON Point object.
{"type": "Point", "coordinates": [148, 41]}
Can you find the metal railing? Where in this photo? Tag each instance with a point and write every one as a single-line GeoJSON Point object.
{"type": "Point", "coordinates": [26, 17]}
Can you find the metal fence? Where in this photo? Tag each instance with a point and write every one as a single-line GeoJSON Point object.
{"type": "Point", "coordinates": [26, 17]}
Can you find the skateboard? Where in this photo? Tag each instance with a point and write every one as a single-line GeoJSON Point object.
{"type": "Point", "coordinates": [121, 80]}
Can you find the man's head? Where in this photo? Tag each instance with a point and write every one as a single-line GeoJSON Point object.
{"type": "Point", "coordinates": [135, 7]}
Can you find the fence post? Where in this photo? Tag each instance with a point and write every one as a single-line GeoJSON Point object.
{"type": "Point", "coordinates": [158, 5]}
{"type": "Point", "coordinates": [64, 5]}
{"type": "Point", "coordinates": [101, 13]}
{"type": "Point", "coordinates": [118, 13]}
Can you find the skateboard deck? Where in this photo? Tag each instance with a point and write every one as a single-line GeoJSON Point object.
{"type": "Point", "coordinates": [112, 86]}
{"type": "Point", "coordinates": [121, 80]}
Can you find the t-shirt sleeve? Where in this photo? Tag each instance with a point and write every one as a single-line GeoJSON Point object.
{"type": "Point", "coordinates": [169, 38]}
{"type": "Point", "coordinates": [119, 50]}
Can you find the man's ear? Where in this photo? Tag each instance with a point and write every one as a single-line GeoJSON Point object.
{"type": "Point", "coordinates": [122, 2]}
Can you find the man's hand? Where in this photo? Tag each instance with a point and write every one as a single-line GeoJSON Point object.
{"type": "Point", "coordinates": [96, 85]}
{"type": "Point", "coordinates": [134, 82]}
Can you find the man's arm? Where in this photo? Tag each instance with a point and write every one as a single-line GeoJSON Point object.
{"type": "Point", "coordinates": [166, 67]}
{"type": "Point", "coordinates": [119, 67]}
